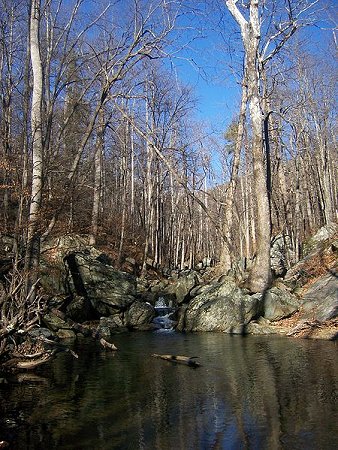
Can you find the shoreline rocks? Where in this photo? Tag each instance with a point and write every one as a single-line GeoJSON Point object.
{"type": "Point", "coordinates": [90, 288]}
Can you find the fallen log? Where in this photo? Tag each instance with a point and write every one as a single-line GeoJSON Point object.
{"type": "Point", "coordinates": [187, 360]}
{"type": "Point", "coordinates": [106, 344]}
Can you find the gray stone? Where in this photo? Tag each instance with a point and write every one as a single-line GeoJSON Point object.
{"type": "Point", "coordinates": [107, 289]}
{"type": "Point", "coordinates": [55, 323]}
{"type": "Point", "coordinates": [279, 303]}
{"type": "Point", "coordinates": [57, 248]}
{"type": "Point", "coordinates": [221, 307]}
{"type": "Point", "coordinates": [181, 317]}
{"type": "Point", "coordinates": [184, 285]}
{"type": "Point", "coordinates": [323, 234]}
{"type": "Point", "coordinates": [264, 326]}
{"type": "Point", "coordinates": [66, 334]}
{"type": "Point", "coordinates": [320, 302]}
{"type": "Point", "coordinates": [280, 253]}
{"type": "Point", "coordinates": [79, 309]}
{"type": "Point", "coordinates": [139, 314]}
{"type": "Point", "coordinates": [42, 332]}
{"type": "Point", "coordinates": [109, 325]}
{"type": "Point", "coordinates": [54, 276]}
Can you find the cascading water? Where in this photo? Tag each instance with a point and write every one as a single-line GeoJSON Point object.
{"type": "Point", "coordinates": [164, 313]}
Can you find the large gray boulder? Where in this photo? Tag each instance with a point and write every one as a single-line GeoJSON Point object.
{"type": "Point", "coordinates": [221, 307]}
{"type": "Point", "coordinates": [185, 283]}
{"type": "Point", "coordinates": [53, 274]}
{"type": "Point", "coordinates": [320, 302]}
{"type": "Point", "coordinates": [321, 256]}
{"type": "Point", "coordinates": [108, 290]}
{"type": "Point", "coordinates": [139, 314]}
{"type": "Point", "coordinates": [279, 303]}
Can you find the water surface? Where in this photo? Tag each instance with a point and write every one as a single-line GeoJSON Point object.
{"type": "Point", "coordinates": [250, 393]}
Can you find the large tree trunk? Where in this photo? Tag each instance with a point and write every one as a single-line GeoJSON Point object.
{"type": "Point", "coordinates": [33, 236]}
{"type": "Point", "coordinates": [260, 276]}
{"type": "Point", "coordinates": [97, 177]}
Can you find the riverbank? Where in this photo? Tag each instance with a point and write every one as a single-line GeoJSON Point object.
{"type": "Point", "coordinates": [82, 293]}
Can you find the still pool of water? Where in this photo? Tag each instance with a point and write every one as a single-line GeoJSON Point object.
{"type": "Point", "coordinates": [250, 393]}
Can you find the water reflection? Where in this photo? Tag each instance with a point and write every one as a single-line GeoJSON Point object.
{"type": "Point", "coordinates": [252, 392]}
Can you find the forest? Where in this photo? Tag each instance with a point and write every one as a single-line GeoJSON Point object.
{"type": "Point", "coordinates": [100, 135]}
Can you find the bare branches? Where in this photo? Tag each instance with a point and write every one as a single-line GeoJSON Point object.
{"type": "Point", "coordinates": [285, 25]}
{"type": "Point", "coordinates": [237, 15]}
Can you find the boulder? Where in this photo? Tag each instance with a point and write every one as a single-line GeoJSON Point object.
{"type": "Point", "coordinates": [41, 333]}
{"type": "Point", "coordinates": [323, 234]}
{"type": "Point", "coordinates": [57, 248]}
{"type": "Point", "coordinates": [281, 248]}
{"type": "Point", "coordinates": [110, 325]}
{"type": "Point", "coordinates": [53, 276]}
{"type": "Point", "coordinates": [222, 307]}
{"type": "Point", "coordinates": [139, 314]}
{"type": "Point", "coordinates": [264, 326]}
{"type": "Point", "coordinates": [181, 317]}
{"type": "Point", "coordinates": [79, 309]}
{"type": "Point", "coordinates": [184, 285]}
{"type": "Point", "coordinates": [317, 263]}
{"type": "Point", "coordinates": [108, 290]}
{"type": "Point", "coordinates": [55, 323]}
{"type": "Point", "coordinates": [66, 334]}
{"type": "Point", "coordinates": [320, 302]}
{"type": "Point", "coordinates": [279, 303]}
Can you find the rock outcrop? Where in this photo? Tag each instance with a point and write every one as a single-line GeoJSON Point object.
{"type": "Point", "coordinates": [107, 289]}
{"type": "Point", "coordinates": [320, 301]}
{"type": "Point", "coordinates": [90, 288]}
{"type": "Point", "coordinates": [139, 314]}
{"type": "Point", "coordinates": [279, 303]}
{"type": "Point", "coordinates": [222, 307]}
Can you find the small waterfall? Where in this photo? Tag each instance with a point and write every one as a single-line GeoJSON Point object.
{"type": "Point", "coordinates": [163, 315]}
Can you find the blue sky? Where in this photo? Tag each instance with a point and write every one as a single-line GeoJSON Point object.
{"type": "Point", "coordinates": [210, 68]}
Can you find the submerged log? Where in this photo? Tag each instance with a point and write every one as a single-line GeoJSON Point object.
{"type": "Point", "coordinates": [187, 360]}
{"type": "Point", "coordinates": [107, 345]}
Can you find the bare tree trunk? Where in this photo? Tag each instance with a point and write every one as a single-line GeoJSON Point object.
{"type": "Point", "coordinates": [19, 223]}
{"type": "Point", "coordinates": [33, 237]}
{"type": "Point", "coordinates": [227, 252]}
{"type": "Point", "coordinates": [149, 210]}
{"type": "Point", "coordinates": [124, 167]}
{"type": "Point", "coordinates": [260, 276]}
{"type": "Point", "coordinates": [97, 177]}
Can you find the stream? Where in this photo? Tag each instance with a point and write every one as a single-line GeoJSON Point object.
{"type": "Point", "coordinates": [254, 392]}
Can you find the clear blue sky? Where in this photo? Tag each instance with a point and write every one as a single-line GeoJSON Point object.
{"type": "Point", "coordinates": [211, 68]}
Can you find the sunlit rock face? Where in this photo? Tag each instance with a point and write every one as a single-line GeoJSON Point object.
{"type": "Point", "coordinates": [320, 301]}
{"type": "Point", "coordinates": [279, 303]}
{"type": "Point", "coordinates": [107, 289]}
{"type": "Point", "coordinates": [222, 307]}
{"type": "Point", "coordinates": [139, 314]}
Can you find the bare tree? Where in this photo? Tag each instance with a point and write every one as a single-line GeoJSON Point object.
{"type": "Point", "coordinates": [261, 44]}
{"type": "Point", "coordinates": [33, 236]}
